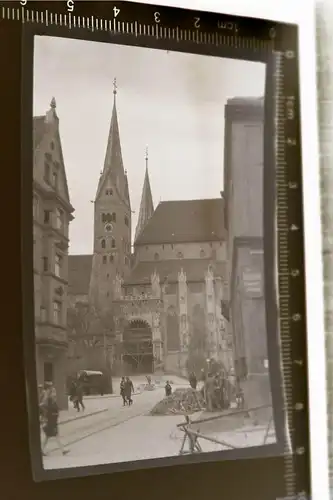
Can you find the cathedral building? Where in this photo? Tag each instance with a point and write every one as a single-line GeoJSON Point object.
{"type": "Point", "coordinates": [52, 213]}
{"type": "Point", "coordinates": [164, 290]}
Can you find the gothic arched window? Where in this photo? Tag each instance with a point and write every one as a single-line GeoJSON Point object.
{"type": "Point", "coordinates": [104, 259]}
{"type": "Point", "coordinates": [103, 244]}
{"type": "Point", "coordinates": [109, 192]}
{"type": "Point", "coordinates": [111, 258]}
{"type": "Point", "coordinates": [173, 341]}
{"type": "Point", "coordinates": [113, 243]}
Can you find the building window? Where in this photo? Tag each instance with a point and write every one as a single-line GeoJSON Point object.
{"type": "Point", "coordinates": [103, 244]}
{"type": "Point", "coordinates": [57, 312]}
{"type": "Point", "coordinates": [113, 243]}
{"type": "Point", "coordinates": [156, 256]}
{"type": "Point", "coordinates": [126, 221]}
{"type": "Point", "coordinates": [108, 276]}
{"type": "Point", "coordinates": [47, 172]}
{"type": "Point", "coordinates": [48, 372]}
{"type": "Point", "coordinates": [43, 314]}
{"type": "Point", "coordinates": [113, 217]}
{"type": "Point", "coordinates": [104, 259]}
{"type": "Point", "coordinates": [45, 264]}
{"type": "Point", "coordinates": [171, 246]}
{"type": "Point", "coordinates": [35, 207]}
{"type": "Point", "coordinates": [109, 192]}
{"type": "Point", "coordinates": [55, 180]}
{"type": "Point", "coordinates": [59, 218]}
{"type": "Point", "coordinates": [52, 145]}
{"type": "Point", "coordinates": [111, 258]}
{"type": "Point", "coordinates": [180, 255]}
{"type": "Point", "coordinates": [107, 294]}
{"type": "Point", "coordinates": [57, 265]}
{"type": "Point", "coordinates": [47, 216]}
{"type": "Point", "coordinates": [202, 254]}
{"type": "Point", "coordinates": [106, 217]}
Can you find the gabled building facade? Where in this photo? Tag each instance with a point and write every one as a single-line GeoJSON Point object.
{"type": "Point", "coordinates": [52, 213]}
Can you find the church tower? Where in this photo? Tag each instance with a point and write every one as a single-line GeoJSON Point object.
{"type": "Point", "coordinates": [146, 205]}
{"type": "Point", "coordinates": [112, 221]}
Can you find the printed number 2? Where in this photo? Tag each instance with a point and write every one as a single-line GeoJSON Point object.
{"type": "Point", "coordinates": [115, 11]}
{"type": "Point", "coordinates": [197, 22]}
{"type": "Point", "coordinates": [157, 17]}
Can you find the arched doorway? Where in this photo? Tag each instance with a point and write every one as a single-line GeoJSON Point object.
{"type": "Point", "coordinates": [138, 356]}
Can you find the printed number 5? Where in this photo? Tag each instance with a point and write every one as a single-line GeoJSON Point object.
{"type": "Point", "coordinates": [157, 17]}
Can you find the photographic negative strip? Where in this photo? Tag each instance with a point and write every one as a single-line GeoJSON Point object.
{"type": "Point", "coordinates": [156, 246]}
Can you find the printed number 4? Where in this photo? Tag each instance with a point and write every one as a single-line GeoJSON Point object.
{"type": "Point", "coordinates": [115, 11]}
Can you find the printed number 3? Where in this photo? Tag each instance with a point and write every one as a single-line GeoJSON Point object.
{"type": "Point", "coordinates": [157, 17]}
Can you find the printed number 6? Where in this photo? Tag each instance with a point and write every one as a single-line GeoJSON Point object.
{"type": "Point", "coordinates": [157, 17]}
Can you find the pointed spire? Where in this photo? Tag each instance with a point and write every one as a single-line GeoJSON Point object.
{"type": "Point", "coordinates": [113, 163]}
{"type": "Point", "coordinates": [146, 205]}
{"type": "Point", "coordinates": [51, 114]}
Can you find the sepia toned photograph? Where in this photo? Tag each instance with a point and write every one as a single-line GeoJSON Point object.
{"type": "Point", "coordinates": [150, 330]}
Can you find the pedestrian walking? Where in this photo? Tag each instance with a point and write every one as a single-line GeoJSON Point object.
{"type": "Point", "coordinates": [73, 394]}
{"type": "Point", "coordinates": [168, 389]}
{"type": "Point", "coordinates": [129, 389]}
{"type": "Point", "coordinates": [122, 390]}
{"type": "Point", "coordinates": [79, 396]}
{"type": "Point", "coordinates": [193, 380]}
{"type": "Point", "coordinates": [50, 412]}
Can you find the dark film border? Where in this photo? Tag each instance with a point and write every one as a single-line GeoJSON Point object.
{"type": "Point", "coordinates": [124, 39]}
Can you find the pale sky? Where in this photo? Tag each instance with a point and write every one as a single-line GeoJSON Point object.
{"type": "Point", "coordinates": [171, 101]}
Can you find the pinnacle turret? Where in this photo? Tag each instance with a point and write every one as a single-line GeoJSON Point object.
{"type": "Point", "coordinates": [146, 205]}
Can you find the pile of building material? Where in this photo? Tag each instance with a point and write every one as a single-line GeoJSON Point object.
{"type": "Point", "coordinates": [181, 401]}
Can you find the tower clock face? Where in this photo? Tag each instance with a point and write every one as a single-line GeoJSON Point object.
{"type": "Point", "coordinates": [108, 227]}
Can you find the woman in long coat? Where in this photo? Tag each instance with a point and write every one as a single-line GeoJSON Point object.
{"type": "Point", "coordinates": [128, 390]}
{"type": "Point", "coordinates": [50, 415]}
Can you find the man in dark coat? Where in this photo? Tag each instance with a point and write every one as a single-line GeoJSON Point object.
{"type": "Point", "coordinates": [129, 389]}
{"type": "Point", "coordinates": [79, 395]}
{"type": "Point", "coordinates": [193, 380]}
{"type": "Point", "coordinates": [122, 390]}
{"type": "Point", "coordinates": [168, 389]}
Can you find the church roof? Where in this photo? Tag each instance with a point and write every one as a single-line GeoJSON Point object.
{"type": "Point", "coordinates": [185, 221]}
{"type": "Point", "coordinates": [168, 270]}
{"type": "Point", "coordinates": [79, 270]}
{"type": "Point", "coordinates": [146, 204]}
